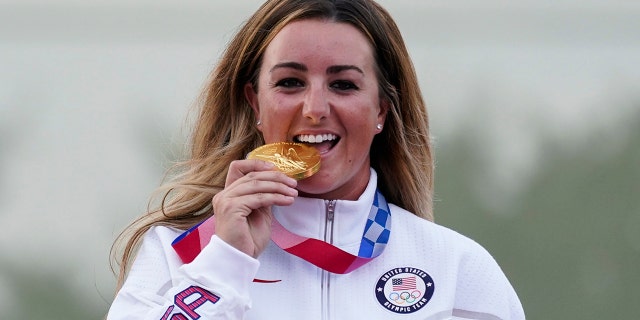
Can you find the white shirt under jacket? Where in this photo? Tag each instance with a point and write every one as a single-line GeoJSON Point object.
{"type": "Point", "coordinates": [464, 281]}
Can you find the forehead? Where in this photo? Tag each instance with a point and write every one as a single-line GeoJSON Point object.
{"type": "Point", "coordinates": [324, 40]}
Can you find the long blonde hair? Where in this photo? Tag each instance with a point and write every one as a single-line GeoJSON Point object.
{"type": "Point", "coordinates": [225, 130]}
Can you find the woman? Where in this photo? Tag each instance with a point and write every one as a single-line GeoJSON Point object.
{"type": "Point", "coordinates": [333, 75]}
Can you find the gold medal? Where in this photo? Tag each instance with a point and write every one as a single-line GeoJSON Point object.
{"type": "Point", "coordinates": [296, 160]}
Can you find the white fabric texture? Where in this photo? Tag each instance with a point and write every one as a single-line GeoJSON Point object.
{"type": "Point", "coordinates": [465, 281]}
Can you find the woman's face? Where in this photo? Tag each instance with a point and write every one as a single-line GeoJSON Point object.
{"type": "Point", "coordinates": [317, 85]}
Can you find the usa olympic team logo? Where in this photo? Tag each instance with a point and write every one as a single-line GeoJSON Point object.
{"type": "Point", "coordinates": [404, 290]}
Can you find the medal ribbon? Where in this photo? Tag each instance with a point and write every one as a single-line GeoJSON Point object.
{"type": "Point", "coordinates": [322, 254]}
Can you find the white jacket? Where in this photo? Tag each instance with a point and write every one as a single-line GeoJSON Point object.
{"type": "Point", "coordinates": [426, 272]}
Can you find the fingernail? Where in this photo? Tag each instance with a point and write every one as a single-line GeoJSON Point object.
{"type": "Point", "coordinates": [269, 165]}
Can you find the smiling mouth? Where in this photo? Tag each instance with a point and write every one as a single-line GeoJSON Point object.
{"type": "Point", "coordinates": [322, 142]}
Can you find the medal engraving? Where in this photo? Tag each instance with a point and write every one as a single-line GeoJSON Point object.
{"type": "Point", "coordinates": [296, 160]}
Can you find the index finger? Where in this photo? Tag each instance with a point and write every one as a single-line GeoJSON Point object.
{"type": "Point", "coordinates": [240, 168]}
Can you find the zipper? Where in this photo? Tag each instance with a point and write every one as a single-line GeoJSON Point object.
{"type": "Point", "coordinates": [326, 276]}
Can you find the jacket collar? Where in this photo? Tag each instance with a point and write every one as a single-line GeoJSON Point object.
{"type": "Point", "coordinates": [307, 217]}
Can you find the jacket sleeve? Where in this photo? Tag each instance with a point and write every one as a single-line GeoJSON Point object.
{"type": "Point", "coordinates": [483, 291]}
{"type": "Point", "coordinates": [215, 285]}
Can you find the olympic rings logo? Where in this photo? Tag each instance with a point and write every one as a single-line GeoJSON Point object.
{"type": "Point", "coordinates": [404, 290]}
{"type": "Point", "coordinates": [405, 297]}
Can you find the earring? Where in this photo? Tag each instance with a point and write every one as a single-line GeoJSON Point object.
{"type": "Point", "coordinates": [258, 123]}
{"type": "Point", "coordinates": [379, 126]}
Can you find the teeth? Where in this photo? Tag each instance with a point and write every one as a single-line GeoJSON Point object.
{"type": "Point", "coordinates": [310, 138]}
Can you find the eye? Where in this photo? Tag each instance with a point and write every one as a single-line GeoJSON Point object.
{"type": "Point", "coordinates": [343, 85]}
{"type": "Point", "coordinates": [289, 83]}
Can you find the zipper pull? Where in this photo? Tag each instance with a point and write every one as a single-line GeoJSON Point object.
{"type": "Point", "coordinates": [331, 209]}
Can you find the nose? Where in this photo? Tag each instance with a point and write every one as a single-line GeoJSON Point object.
{"type": "Point", "coordinates": [316, 106]}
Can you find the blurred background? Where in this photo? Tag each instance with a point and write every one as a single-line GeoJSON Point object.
{"type": "Point", "coordinates": [534, 106]}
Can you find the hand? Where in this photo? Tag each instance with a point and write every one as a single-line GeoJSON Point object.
{"type": "Point", "coordinates": [243, 208]}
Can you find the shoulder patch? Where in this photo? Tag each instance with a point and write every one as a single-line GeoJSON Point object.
{"type": "Point", "coordinates": [404, 290]}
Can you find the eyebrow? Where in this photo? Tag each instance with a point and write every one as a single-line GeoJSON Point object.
{"type": "Point", "coordinates": [302, 67]}
{"type": "Point", "coordinates": [338, 69]}
{"type": "Point", "coordinates": [289, 65]}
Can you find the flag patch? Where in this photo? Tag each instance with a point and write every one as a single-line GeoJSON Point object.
{"type": "Point", "coordinates": [404, 290]}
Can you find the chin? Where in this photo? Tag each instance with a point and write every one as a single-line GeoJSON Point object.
{"type": "Point", "coordinates": [315, 187]}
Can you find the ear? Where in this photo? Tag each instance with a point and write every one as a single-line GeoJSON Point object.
{"type": "Point", "coordinates": [385, 104]}
{"type": "Point", "coordinates": [252, 97]}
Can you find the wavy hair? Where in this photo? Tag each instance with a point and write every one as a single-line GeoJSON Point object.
{"type": "Point", "coordinates": [225, 129]}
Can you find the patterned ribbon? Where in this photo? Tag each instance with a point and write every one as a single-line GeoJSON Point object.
{"type": "Point", "coordinates": [324, 255]}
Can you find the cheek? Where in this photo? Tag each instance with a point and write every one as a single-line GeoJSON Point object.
{"type": "Point", "coordinates": [276, 119]}
{"type": "Point", "coordinates": [364, 119]}
{"type": "Point", "coordinates": [272, 104]}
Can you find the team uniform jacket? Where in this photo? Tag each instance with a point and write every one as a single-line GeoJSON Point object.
{"type": "Point", "coordinates": [426, 272]}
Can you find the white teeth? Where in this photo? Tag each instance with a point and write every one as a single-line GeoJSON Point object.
{"type": "Point", "coordinates": [309, 138]}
